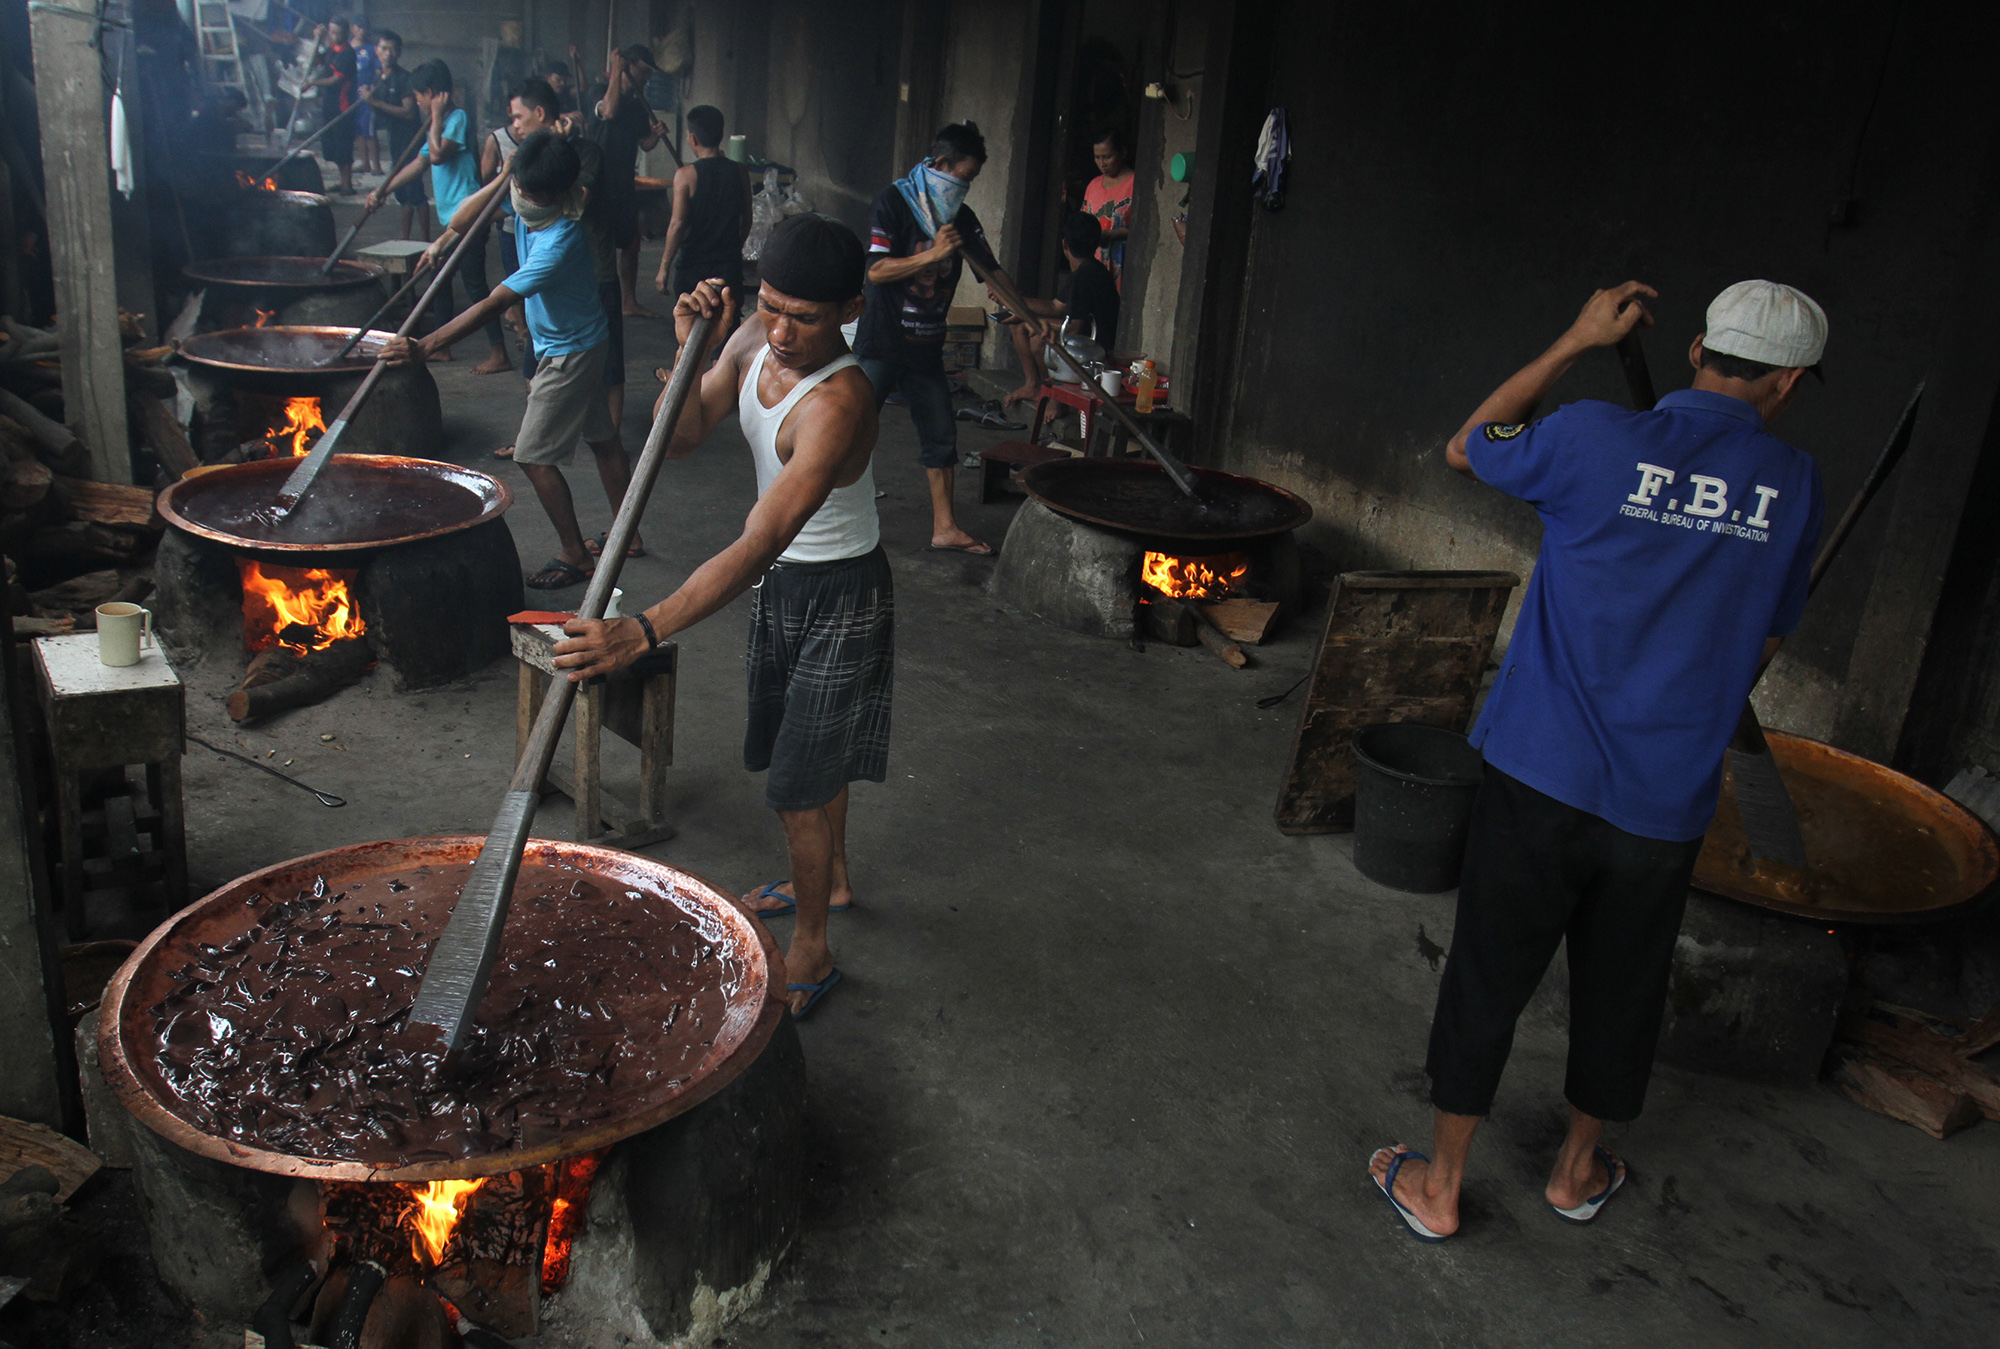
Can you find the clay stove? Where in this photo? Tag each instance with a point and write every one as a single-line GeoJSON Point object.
{"type": "Point", "coordinates": [1109, 547]}
{"type": "Point", "coordinates": [406, 561]}
{"type": "Point", "coordinates": [648, 1206]}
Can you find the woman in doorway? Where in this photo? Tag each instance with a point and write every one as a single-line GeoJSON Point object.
{"type": "Point", "coordinates": [1109, 198]}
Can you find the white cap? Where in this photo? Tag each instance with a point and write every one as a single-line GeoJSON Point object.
{"type": "Point", "coordinates": [1768, 322]}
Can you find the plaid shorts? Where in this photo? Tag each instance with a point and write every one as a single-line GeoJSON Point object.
{"type": "Point", "coordinates": [821, 663]}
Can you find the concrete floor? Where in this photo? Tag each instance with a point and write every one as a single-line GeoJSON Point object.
{"type": "Point", "coordinates": [1112, 1052]}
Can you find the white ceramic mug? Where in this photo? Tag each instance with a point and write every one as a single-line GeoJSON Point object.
{"type": "Point", "coordinates": [615, 609]}
{"type": "Point", "coordinates": [1112, 382]}
{"type": "Point", "coordinates": [119, 630]}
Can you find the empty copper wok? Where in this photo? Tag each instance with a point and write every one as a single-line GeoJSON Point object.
{"type": "Point", "coordinates": [672, 1068]}
{"type": "Point", "coordinates": [361, 501]}
{"type": "Point", "coordinates": [1884, 848]}
{"type": "Point", "coordinates": [1136, 497]}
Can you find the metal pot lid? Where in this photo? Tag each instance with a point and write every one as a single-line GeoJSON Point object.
{"type": "Point", "coordinates": [731, 968]}
{"type": "Point", "coordinates": [1884, 848]}
{"type": "Point", "coordinates": [361, 501]}
{"type": "Point", "coordinates": [280, 349]}
{"type": "Point", "coordinates": [1137, 497]}
{"type": "Point", "coordinates": [281, 273]}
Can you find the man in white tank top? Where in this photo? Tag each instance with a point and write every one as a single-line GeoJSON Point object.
{"type": "Point", "coordinates": [822, 629]}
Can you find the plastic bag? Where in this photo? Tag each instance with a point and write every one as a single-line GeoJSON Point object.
{"type": "Point", "coordinates": [771, 204]}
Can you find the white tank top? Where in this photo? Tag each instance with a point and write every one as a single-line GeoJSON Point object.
{"type": "Point", "coordinates": [846, 525]}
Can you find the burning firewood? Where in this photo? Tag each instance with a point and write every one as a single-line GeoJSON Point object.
{"type": "Point", "coordinates": [288, 679]}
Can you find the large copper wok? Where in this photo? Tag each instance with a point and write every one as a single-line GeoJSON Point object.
{"type": "Point", "coordinates": [1884, 848]}
{"type": "Point", "coordinates": [297, 354]}
{"type": "Point", "coordinates": [749, 968]}
{"type": "Point", "coordinates": [1136, 496]}
{"type": "Point", "coordinates": [361, 502]}
{"type": "Point", "coordinates": [271, 275]}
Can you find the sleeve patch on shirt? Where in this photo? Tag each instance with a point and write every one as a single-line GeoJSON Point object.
{"type": "Point", "coordinates": [1496, 431]}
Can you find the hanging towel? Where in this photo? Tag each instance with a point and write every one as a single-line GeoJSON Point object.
{"type": "Point", "coordinates": [121, 144]}
{"type": "Point", "coordinates": [1274, 148]}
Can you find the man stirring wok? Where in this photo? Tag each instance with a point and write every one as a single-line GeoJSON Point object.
{"type": "Point", "coordinates": [823, 622]}
{"type": "Point", "coordinates": [1676, 550]}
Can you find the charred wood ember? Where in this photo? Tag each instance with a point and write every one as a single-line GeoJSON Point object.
{"type": "Point", "coordinates": [287, 1036]}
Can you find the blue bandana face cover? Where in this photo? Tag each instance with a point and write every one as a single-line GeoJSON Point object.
{"type": "Point", "coordinates": [934, 196]}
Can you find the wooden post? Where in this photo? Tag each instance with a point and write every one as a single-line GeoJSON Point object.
{"type": "Point", "coordinates": [76, 158]}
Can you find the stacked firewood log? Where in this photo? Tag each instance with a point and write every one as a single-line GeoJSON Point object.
{"type": "Point", "coordinates": [72, 543]}
{"type": "Point", "coordinates": [1917, 1068]}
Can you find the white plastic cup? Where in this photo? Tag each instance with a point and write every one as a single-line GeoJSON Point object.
{"type": "Point", "coordinates": [120, 628]}
{"type": "Point", "coordinates": [615, 609]}
{"type": "Point", "coordinates": [1112, 382]}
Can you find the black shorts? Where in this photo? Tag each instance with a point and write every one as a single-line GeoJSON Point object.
{"type": "Point", "coordinates": [614, 314]}
{"type": "Point", "coordinates": [336, 147]}
{"type": "Point", "coordinates": [622, 221]}
{"type": "Point", "coordinates": [822, 666]}
{"type": "Point", "coordinates": [1539, 872]}
{"type": "Point", "coordinates": [691, 273]}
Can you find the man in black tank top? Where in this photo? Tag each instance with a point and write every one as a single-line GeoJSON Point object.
{"type": "Point", "coordinates": [711, 214]}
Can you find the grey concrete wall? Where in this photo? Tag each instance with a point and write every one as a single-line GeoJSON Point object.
{"type": "Point", "coordinates": [1455, 195]}
{"type": "Point", "coordinates": [1153, 255]}
{"type": "Point", "coordinates": [29, 1063]}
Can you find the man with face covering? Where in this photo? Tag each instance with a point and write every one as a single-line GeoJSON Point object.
{"type": "Point", "coordinates": [917, 228]}
{"type": "Point", "coordinates": [823, 624]}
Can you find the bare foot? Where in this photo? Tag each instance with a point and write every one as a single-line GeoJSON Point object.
{"type": "Point", "coordinates": [1027, 393]}
{"type": "Point", "coordinates": [639, 311]}
{"type": "Point", "coordinates": [757, 901]}
{"type": "Point", "coordinates": [958, 541]}
{"type": "Point", "coordinates": [444, 355]}
{"type": "Point", "coordinates": [1570, 1186]}
{"type": "Point", "coordinates": [1438, 1212]}
{"type": "Point", "coordinates": [493, 365]}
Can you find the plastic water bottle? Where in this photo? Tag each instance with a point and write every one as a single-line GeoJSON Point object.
{"type": "Point", "coordinates": [1143, 401]}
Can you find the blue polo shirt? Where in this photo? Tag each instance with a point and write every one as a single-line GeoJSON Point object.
{"type": "Point", "coordinates": [458, 177]}
{"type": "Point", "coordinates": [560, 286]}
{"type": "Point", "coordinates": [1674, 542]}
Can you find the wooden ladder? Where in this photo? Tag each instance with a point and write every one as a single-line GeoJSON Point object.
{"type": "Point", "coordinates": [221, 59]}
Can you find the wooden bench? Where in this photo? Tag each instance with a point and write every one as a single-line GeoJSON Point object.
{"type": "Point", "coordinates": [637, 705]}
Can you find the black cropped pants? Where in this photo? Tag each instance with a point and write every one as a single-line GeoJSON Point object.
{"type": "Point", "coordinates": [1538, 872]}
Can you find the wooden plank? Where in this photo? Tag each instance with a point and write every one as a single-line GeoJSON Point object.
{"type": "Point", "coordinates": [76, 157]}
{"type": "Point", "coordinates": [162, 433]}
{"type": "Point", "coordinates": [23, 1145]}
{"type": "Point", "coordinates": [110, 503]}
{"type": "Point", "coordinates": [1241, 620]}
{"type": "Point", "coordinates": [1398, 646]}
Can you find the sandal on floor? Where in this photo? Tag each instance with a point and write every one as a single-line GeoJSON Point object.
{"type": "Point", "coordinates": [595, 547]}
{"type": "Point", "coordinates": [557, 574]}
{"type": "Point", "coordinates": [818, 991]}
{"type": "Point", "coordinates": [1587, 1210]}
{"type": "Point", "coordinates": [1387, 1185]}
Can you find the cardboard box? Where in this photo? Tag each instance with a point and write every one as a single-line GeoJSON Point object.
{"type": "Point", "coordinates": [966, 316]}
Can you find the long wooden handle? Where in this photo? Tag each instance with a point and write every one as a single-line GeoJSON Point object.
{"type": "Point", "coordinates": [333, 258]}
{"type": "Point", "coordinates": [302, 478]}
{"type": "Point", "coordinates": [462, 960]}
{"type": "Point", "coordinates": [1638, 379]}
{"type": "Point", "coordinates": [310, 141]}
{"type": "Point", "coordinates": [298, 99]}
{"type": "Point", "coordinates": [987, 269]}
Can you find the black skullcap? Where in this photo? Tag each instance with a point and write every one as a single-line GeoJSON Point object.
{"type": "Point", "coordinates": [813, 258]}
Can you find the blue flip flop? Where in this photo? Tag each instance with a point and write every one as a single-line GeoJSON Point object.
{"type": "Point", "coordinates": [1587, 1210]}
{"type": "Point", "coordinates": [771, 892]}
{"type": "Point", "coordinates": [1387, 1185]}
{"type": "Point", "coordinates": [818, 991]}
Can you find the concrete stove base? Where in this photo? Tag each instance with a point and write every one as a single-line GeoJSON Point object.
{"type": "Point", "coordinates": [686, 1221]}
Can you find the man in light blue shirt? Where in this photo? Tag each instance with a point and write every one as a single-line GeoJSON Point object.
{"type": "Point", "coordinates": [557, 287]}
{"type": "Point", "coordinates": [454, 171]}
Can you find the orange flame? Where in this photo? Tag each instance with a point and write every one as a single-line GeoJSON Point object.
{"type": "Point", "coordinates": [302, 419]}
{"type": "Point", "coordinates": [439, 1206]}
{"type": "Point", "coordinates": [282, 600]}
{"type": "Point", "coordinates": [1194, 577]}
{"type": "Point", "coordinates": [246, 181]}
{"type": "Point", "coordinates": [566, 1218]}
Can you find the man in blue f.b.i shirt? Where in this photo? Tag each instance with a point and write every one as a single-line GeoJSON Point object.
{"type": "Point", "coordinates": [1676, 548]}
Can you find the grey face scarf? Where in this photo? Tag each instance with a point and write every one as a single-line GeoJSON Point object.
{"type": "Point", "coordinates": [536, 216]}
